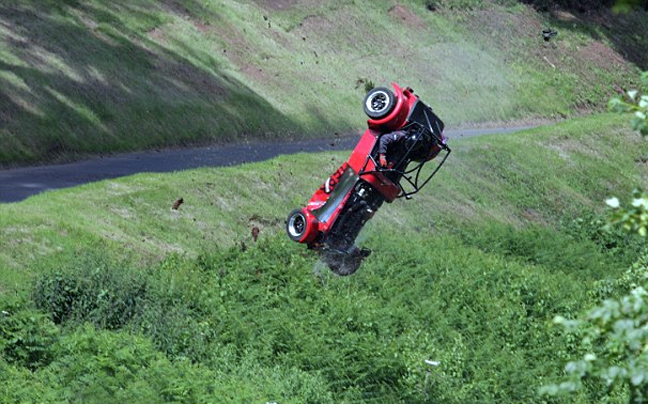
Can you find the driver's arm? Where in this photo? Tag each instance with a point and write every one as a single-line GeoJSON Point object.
{"type": "Point", "coordinates": [383, 145]}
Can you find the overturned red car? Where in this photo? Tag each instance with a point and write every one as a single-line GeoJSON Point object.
{"type": "Point", "coordinates": [338, 210]}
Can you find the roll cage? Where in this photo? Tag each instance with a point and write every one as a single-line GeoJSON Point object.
{"type": "Point", "coordinates": [424, 126]}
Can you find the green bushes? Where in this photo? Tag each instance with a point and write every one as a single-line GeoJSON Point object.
{"type": "Point", "coordinates": [93, 289]}
{"type": "Point", "coordinates": [267, 323]}
{"type": "Point", "coordinates": [580, 246]}
{"type": "Point", "coordinates": [26, 336]}
{"type": "Point", "coordinates": [612, 242]}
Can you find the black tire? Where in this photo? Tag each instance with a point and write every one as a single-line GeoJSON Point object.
{"type": "Point", "coordinates": [379, 102]}
{"type": "Point", "coordinates": [296, 225]}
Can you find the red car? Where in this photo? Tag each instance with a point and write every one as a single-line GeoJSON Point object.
{"type": "Point", "coordinates": [341, 206]}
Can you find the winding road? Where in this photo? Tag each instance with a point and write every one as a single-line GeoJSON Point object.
{"type": "Point", "coordinates": [21, 183]}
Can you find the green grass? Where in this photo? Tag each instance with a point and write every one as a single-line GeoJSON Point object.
{"type": "Point", "coordinates": [89, 77]}
{"type": "Point", "coordinates": [538, 176]}
{"type": "Point", "coordinates": [110, 294]}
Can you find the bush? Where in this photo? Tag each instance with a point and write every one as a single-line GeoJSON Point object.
{"type": "Point", "coordinates": [267, 323]}
{"type": "Point", "coordinates": [94, 289]}
{"type": "Point", "coordinates": [26, 336]}
{"type": "Point", "coordinates": [98, 366]}
{"type": "Point", "coordinates": [611, 241]}
{"type": "Point", "coordinates": [568, 250]}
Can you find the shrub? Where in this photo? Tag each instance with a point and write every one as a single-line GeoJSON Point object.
{"type": "Point", "coordinates": [611, 241]}
{"type": "Point", "coordinates": [99, 366]}
{"type": "Point", "coordinates": [572, 250]}
{"type": "Point", "coordinates": [94, 289]}
{"type": "Point", "coordinates": [26, 337]}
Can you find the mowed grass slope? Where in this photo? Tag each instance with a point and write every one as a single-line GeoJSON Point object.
{"type": "Point", "coordinates": [108, 293]}
{"type": "Point", "coordinates": [538, 176]}
{"type": "Point", "coordinates": [88, 77]}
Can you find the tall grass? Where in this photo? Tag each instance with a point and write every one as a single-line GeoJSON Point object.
{"type": "Point", "coordinates": [109, 294]}
{"type": "Point", "coordinates": [480, 319]}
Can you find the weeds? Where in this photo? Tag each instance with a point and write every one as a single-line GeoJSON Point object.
{"type": "Point", "coordinates": [95, 290]}
{"type": "Point", "coordinates": [244, 316]}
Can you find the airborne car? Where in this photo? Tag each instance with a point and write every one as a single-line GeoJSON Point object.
{"type": "Point", "coordinates": [338, 210]}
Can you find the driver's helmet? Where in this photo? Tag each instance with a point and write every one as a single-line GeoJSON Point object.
{"type": "Point", "coordinates": [417, 144]}
{"type": "Point", "coordinates": [413, 140]}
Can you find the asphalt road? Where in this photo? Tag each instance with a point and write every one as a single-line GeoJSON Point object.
{"type": "Point", "coordinates": [20, 183]}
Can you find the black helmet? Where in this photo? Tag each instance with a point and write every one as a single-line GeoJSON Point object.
{"type": "Point", "coordinates": [417, 145]}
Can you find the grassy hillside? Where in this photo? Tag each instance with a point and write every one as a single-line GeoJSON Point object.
{"type": "Point", "coordinates": [109, 294]}
{"type": "Point", "coordinates": [86, 77]}
{"type": "Point", "coordinates": [538, 176]}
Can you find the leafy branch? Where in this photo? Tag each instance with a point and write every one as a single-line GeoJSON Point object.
{"type": "Point", "coordinates": [614, 335]}
{"type": "Point", "coordinates": [635, 103]}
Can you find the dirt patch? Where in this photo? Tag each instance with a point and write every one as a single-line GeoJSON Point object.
{"type": "Point", "coordinates": [176, 7]}
{"type": "Point", "coordinates": [315, 23]}
{"type": "Point", "coordinates": [565, 53]}
{"type": "Point", "coordinates": [533, 216]}
{"type": "Point", "coordinates": [237, 49]}
{"type": "Point", "coordinates": [157, 35]}
{"type": "Point", "coordinates": [602, 56]}
{"type": "Point", "coordinates": [620, 33]}
{"type": "Point", "coordinates": [201, 26]}
{"type": "Point", "coordinates": [256, 73]}
{"type": "Point", "coordinates": [342, 30]}
{"type": "Point", "coordinates": [402, 13]}
{"type": "Point", "coordinates": [499, 26]}
{"type": "Point", "coordinates": [89, 23]}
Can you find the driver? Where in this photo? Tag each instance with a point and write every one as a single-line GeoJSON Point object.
{"type": "Point", "coordinates": [388, 141]}
{"type": "Point", "coordinates": [391, 142]}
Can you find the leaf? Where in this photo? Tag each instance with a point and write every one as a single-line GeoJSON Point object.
{"type": "Point", "coordinates": [550, 390]}
{"type": "Point", "coordinates": [640, 203]}
{"type": "Point", "coordinates": [617, 105]}
{"type": "Point", "coordinates": [559, 320]}
{"type": "Point", "coordinates": [613, 373]}
{"type": "Point", "coordinates": [568, 386]}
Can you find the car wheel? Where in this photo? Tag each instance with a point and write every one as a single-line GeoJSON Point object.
{"type": "Point", "coordinates": [296, 225]}
{"type": "Point", "coordinates": [379, 102]}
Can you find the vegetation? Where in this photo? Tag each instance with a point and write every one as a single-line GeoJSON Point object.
{"type": "Point", "coordinates": [109, 294]}
{"type": "Point", "coordinates": [94, 77]}
{"type": "Point", "coordinates": [613, 334]}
